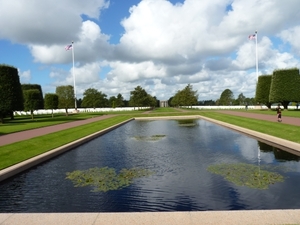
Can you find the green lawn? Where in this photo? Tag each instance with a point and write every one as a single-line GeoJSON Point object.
{"type": "Point", "coordinates": [20, 151]}
{"type": "Point", "coordinates": [292, 113]}
{"type": "Point", "coordinates": [21, 123]}
{"type": "Point", "coordinates": [164, 109]}
{"type": "Point", "coordinates": [285, 131]}
{"type": "Point", "coordinates": [17, 152]}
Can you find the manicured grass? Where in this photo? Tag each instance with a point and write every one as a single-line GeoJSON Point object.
{"type": "Point", "coordinates": [24, 122]}
{"type": "Point", "coordinates": [21, 123]}
{"type": "Point", "coordinates": [20, 151]}
{"type": "Point", "coordinates": [292, 113]}
{"type": "Point", "coordinates": [126, 112]}
{"type": "Point", "coordinates": [164, 109]}
{"type": "Point", "coordinates": [17, 152]}
{"type": "Point", "coordinates": [285, 131]}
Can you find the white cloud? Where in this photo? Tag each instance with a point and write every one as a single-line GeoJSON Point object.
{"type": "Point", "coordinates": [45, 22]}
{"type": "Point", "coordinates": [291, 36]}
{"type": "Point", "coordinates": [91, 45]}
{"type": "Point", "coordinates": [164, 46]}
{"type": "Point", "coordinates": [127, 72]}
{"type": "Point", "coordinates": [25, 76]}
{"type": "Point", "coordinates": [87, 75]}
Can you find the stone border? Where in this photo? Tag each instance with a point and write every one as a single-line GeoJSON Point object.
{"type": "Point", "coordinates": [253, 217]}
{"type": "Point", "coordinates": [283, 144]}
{"type": "Point", "coordinates": [286, 145]}
{"type": "Point", "coordinates": [289, 146]}
{"type": "Point", "coordinates": [27, 164]}
{"type": "Point", "coordinates": [257, 217]}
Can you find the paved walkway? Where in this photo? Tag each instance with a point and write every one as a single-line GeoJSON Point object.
{"type": "Point", "coordinates": [28, 134]}
{"type": "Point", "coordinates": [25, 135]}
{"type": "Point", "coordinates": [273, 118]}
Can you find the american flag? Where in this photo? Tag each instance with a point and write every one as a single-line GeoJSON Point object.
{"type": "Point", "coordinates": [251, 37]}
{"type": "Point", "coordinates": [68, 47]}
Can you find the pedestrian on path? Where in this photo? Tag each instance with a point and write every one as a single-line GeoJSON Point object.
{"type": "Point", "coordinates": [278, 110]}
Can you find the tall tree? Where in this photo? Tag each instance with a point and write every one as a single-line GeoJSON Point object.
{"type": "Point", "coordinates": [93, 98]}
{"type": "Point", "coordinates": [78, 102]}
{"type": "Point", "coordinates": [152, 102]}
{"type": "Point", "coordinates": [11, 95]}
{"type": "Point", "coordinates": [226, 97]}
{"type": "Point", "coordinates": [285, 86]}
{"type": "Point", "coordinates": [51, 102]}
{"type": "Point", "coordinates": [185, 97]}
{"type": "Point", "coordinates": [36, 87]}
{"type": "Point", "coordinates": [31, 100]}
{"type": "Point", "coordinates": [119, 101]}
{"type": "Point", "coordinates": [190, 96]}
{"type": "Point", "coordinates": [157, 102]}
{"type": "Point", "coordinates": [241, 99]}
{"type": "Point", "coordinates": [138, 97]}
{"type": "Point", "coordinates": [112, 101]}
{"type": "Point", "coordinates": [170, 102]}
{"type": "Point", "coordinates": [66, 98]}
{"type": "Point", "coordinates": [262, 93]}
{"type": "Point", "coordinates": [176, 99]}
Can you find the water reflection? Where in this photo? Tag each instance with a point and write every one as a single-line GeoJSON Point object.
{"type": "Point", "coordinates": [180, 182]}
{"type": "Point", "coordinates": [278, 153]}
{"type": "Point", "coordinates": [187, 122]}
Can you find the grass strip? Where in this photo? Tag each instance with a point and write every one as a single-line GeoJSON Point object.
{"type": "Point", "coordinates": [290, 113]}
{"type": "Point", "coordinates": [17, 152]}
{"type": "Point", "coordinates": [280, 130]}
{"type": "Point", "coordinates": [20, 151]}
{"type": "Point", "coordinates": [164, 109]}
{"type": "Point", "coordinates": [22, 123]}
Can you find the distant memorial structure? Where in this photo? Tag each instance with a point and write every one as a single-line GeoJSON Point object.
{"type": "Point", "coordinates": [164, 104]}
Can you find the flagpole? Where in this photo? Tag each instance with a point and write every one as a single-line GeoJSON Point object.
{"type": "Point", "coordinates": [74, 75]}
{"type": "Point", "coordinates": [256, 56]}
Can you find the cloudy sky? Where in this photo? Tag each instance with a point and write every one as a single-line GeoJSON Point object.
{"type": "Point", "coordinates": [159, 45]}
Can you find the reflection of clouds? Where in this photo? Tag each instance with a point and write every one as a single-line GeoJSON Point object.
{"type": "Point", "coordinates": [248, 147]}
{"type": "Point", "coordinates": [181, 160]}
{"type": "Point", "coordinates": [267, 157]}
{"type": "Point", "coordinates": [181, 180]}
{"type": "Point", "coordinates": [293, 165]}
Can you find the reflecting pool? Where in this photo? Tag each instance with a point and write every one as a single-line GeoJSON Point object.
{"type": "Point", "coordinates": [177, 155]}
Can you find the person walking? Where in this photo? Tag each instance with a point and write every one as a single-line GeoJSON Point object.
{"type": "Point", "coordinates": [278, 110]}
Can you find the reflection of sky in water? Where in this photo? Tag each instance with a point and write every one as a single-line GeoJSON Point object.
{"type": "Point", "coordinates": [181, 181]}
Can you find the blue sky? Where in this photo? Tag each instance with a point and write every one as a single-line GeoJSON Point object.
{"type": "Point", "coordinates": [157, 44]}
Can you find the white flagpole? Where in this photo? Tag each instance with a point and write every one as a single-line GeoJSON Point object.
{"type": "Point", "coordinates": [74, 76]}
{"type": "Point", "coordinates": [256, 56]}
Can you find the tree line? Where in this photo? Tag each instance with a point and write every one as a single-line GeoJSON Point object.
{"type": "Point", "coordinates": [280, 87]}
{"type": "Point", "coordinates": [15, 96]}
{"type": "Point", "coordinates": [283, 86]}
{"type": "Point", "coordinates": [189, 97]}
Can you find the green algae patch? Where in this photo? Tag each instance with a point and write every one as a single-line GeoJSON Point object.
{"type": "Point", "coordinates": [156, 137]}
{"type": "Point", "coordinates": [106, 179]}
{"type": "Point", "coordinates": [247, 175]}
{"type": "Point", "coordinates": [187, 123]}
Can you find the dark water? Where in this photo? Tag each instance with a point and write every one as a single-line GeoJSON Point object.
{"type": "Point", "coordinates": [181, 181]}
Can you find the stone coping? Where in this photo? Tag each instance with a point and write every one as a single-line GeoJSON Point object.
{"type": "Point", "coordinates": [20, 167]}
{"type": "Point", "coordinates": [152, 218]}
{"type": "Point", "coordinates": [253, 217]}
{"type": "Point", "coordinates": [283, 144]}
